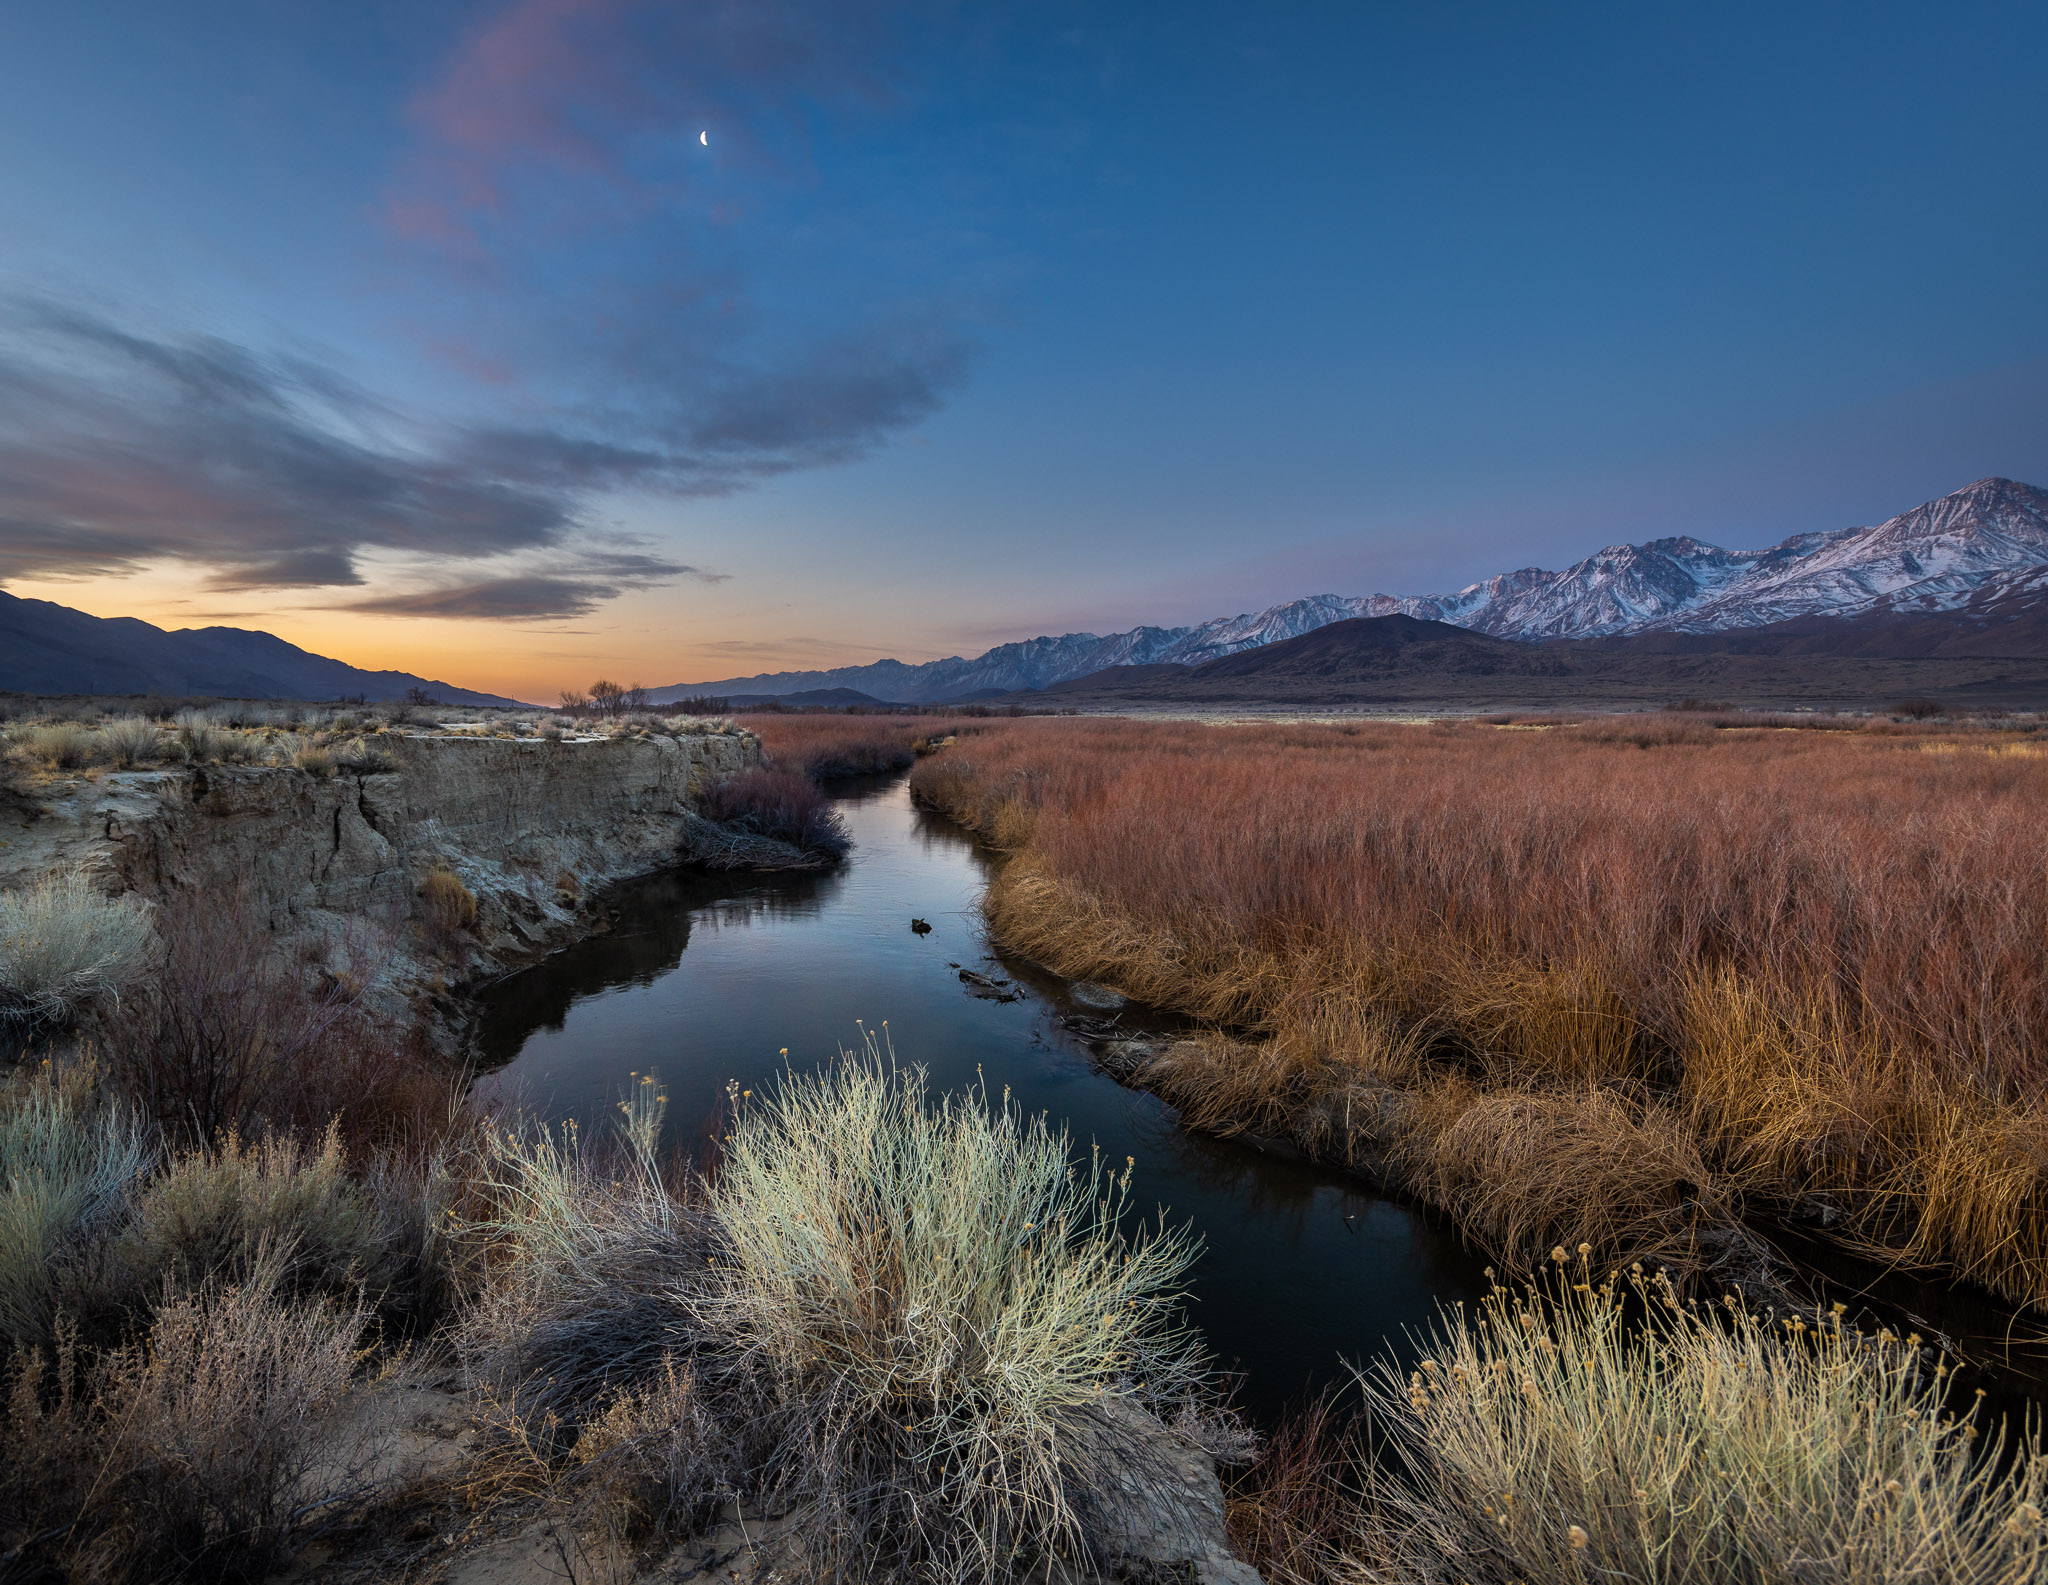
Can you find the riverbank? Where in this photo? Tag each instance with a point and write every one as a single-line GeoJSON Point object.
{"type": "Point", "coordinates": [1614, 984]}
{"type": "Point", "coordinates": [252, 1295]}
{"type": "Point", "coordinates": [413, 861]}
{"type": "Point", "coordinates": [546, 1428]}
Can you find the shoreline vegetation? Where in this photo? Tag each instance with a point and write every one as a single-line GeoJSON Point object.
{"type": "Point", "coordinates": [877, 1334]}
{"type": "Point", "coordinates": [1613, 982]}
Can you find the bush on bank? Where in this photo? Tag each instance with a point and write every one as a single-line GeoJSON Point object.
{"type": "Point", "coordinates": [911, 1325]}
{"type": "Point", "coordinates": [781, 804]}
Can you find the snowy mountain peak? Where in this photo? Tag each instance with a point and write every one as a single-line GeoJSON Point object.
{"type": "Point", "coordinates": [1983, 543]}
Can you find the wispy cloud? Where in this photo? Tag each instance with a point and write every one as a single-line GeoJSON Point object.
{"type": "Point", "coordinates": [635, 312]}
{"type": "Point", "coordinates": [574, 588]}
{"type": "Point", "coordinates": [118, 448]}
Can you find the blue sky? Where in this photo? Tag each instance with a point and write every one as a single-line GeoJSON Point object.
{"type": "Point", "coordinates": [433, 335]}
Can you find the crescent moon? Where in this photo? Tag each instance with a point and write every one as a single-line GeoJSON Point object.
{"type": "Point", "coordinates": [704, 138]}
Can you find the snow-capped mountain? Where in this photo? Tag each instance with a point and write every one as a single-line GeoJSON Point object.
{"type": "Point", "coordinates": [1937, 557]}
{"type": "Point", "coordinates": [1984, 544]}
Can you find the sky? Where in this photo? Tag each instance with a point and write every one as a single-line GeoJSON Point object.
{"type": "Point", "coordinates": [519, 342]}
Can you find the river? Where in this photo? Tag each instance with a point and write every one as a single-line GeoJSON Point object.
{"type": "Point", "coordinates": [707, 979]}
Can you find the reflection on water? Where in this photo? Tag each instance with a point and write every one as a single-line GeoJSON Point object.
{"type": "Point", "coordinates": [706, 979]}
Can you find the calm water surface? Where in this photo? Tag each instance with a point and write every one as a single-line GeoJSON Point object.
{"type": "Point", "coordinates": [707, 979]}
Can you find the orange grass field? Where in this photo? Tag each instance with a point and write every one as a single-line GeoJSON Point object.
{"type": "Point", "coordinates": [1609, 982]}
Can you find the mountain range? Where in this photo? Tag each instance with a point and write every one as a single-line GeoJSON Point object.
{"type": "Point", "coordinates": [1978, 555]}
{"type": "Point", "coordinates": [1963, 579]}
{"type": "Point", "coordinates": [47, 648]}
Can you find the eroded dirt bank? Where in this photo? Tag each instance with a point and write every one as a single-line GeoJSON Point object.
{"type": "Point", "coordinates": [337, 868]}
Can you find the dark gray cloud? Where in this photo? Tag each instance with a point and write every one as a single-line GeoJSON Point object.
{"type": "Point", "coordinates": [118, 449]}
{"type": "Point", "coordinates": [495, 599]}
{"type": "Point", "coordinates": [569, 587]}
{"type": "Point", "coordinates": [305, 569]}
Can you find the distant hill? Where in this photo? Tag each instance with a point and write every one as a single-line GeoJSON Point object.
{"type": "Point", "coordinates": [812, 699]}
{"type": "Point", "coordinates": [1979, 555]}
{"type": "Point", "coordinates": [1399, 661]}
{"type": "Point", "coordinates": [47, 648]}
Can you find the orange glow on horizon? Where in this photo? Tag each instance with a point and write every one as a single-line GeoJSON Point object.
{"type": "Point", "coordinates": [637, 639]}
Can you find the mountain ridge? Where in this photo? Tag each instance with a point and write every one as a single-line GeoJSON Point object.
{"type": "Point", "coordinates": [1985, 545]}
{"type": "Point", "coordinates": [1868, 662]}
{"type": "Point", "coordinates": [46, 648]}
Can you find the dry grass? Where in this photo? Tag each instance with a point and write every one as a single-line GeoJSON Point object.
{"type": "Point", "coordinates": [1294, 1511]}
{"type": "Point", "coordinates": [1508, 963]}
{"type": "Point", "coordinates": [70, 1166]}
{"type": "Point", "coordinates": [62, 745]}
{"type": "Point", "coordinates": [129, 741]}
{"type": "Point", "coordinates": [1615, 1432]}
{"type": "Point", "coordinates": [447, 909]}
{"type": "Point", "coordinates": [205, 1449]}
{"type": "Point", "coordinates": [781, 805]}
{"type": "Point", "coordinates": [64, 947]}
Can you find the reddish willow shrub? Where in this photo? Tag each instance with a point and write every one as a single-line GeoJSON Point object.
{"type": "Point", "coordinates": [845, 745]}
{"type": "Point", "coordinates": [1903, 884]}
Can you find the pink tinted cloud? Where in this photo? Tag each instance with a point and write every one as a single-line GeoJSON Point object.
{"type": "Point", "coordinates": [612, 93]}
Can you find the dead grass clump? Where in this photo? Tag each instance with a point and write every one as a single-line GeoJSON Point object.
{"type": "Point", "coordinates": [199, 737]}
{"type": "Point", "coordinates": [1613, 1431]}
{"type": "Point", "coordinates": [447, 909]}
{"type": "Point", "coordinates": [360, 757]}
{"type": "Point", "coordinates": [1529, 1170]}
{"type": "Point", "coordinates": [129, 741]}
{"type": "Point", "coordinates": [216, 1449]}
{"type": "Point", "coordinates": [63, 947]}
{"type": "Point", "coordinates": [62, 745]}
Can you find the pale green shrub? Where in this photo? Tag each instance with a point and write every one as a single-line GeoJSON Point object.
{"type": "Point", "coordinates": [916, 1327]}
{"type": "Point", "coordinates": [958, 1341]}
{"type": "Point", "coordinates": [224, 1213]}
{"type": "Point", "coordinates": [130, 741]}
{"type": "Point", "coordinates": [1614, 1432]}
{"type": "Point", "coordinates": [584, 1263]}
{"type": "Point", "coordinates": [62, 945]}
{"type": "Point", "coordinates": [68, 1171]}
